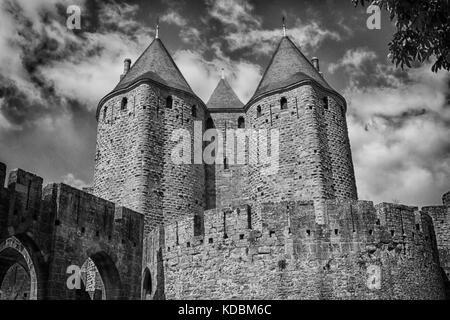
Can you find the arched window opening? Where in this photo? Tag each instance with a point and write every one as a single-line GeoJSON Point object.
{"type": "Point", "coordinates": [225, 163]}
{"type": "Point", "coordinates": [123, 104]}
{"type": "Point", "coordinates": [18, 273]}
{"type": "Point", "coordinates": [325, 103]}
{"type": "Point", "coordinates": [15, 284]}
{"type": "Point", "coordinates": [283, 103]}
{"type": "Point", "coordinates": [81, 293]}
{"type": "Point", "coordinates": [169, 102]}
{"type": "Point", "coordinates": [194, 111]}
{"type": "Point", "coordinates": [147, 285]}
{"type": "Point", "coordinates": [241, 123]}
{"type": "Point", "coordinates": [209, 123]}
{"type": "Point", "coordinates": [198, 225]}
{"type": "Point", "coordinates": [101, 277]}
{"type": "Point", "coordinates": [93, 282]}
{"type": "Point", "coordinates": [258, 111]}
{"type": "Point", "coordinates": [105, 111]}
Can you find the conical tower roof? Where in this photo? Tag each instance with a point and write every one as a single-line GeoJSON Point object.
{"type": "Point", "coordinates": [156, 64]}
{"type": "Point", "coordinates": [287, 67]}
{"type": "Point", "coordinates": [224, 97]}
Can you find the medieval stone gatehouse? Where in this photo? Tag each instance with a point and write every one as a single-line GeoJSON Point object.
{"type": "Point", "coordinates": [154, 229]}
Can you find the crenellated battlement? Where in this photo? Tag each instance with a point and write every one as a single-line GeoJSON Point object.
{"type": "Point", "coordinates": [346, 222]}
{"type": "Point", "coordinates": [446, 199]}
{"type": "Point", "coordinates": [288, 254]}
{"type": "Point", "coordinates": [95, 218]}
{"type": "Point", "coordinates": [218, 225]}
{"type": "Point", "coordinates": [27, 205]}
{"type": "Point", "coordinates": [60, 226]}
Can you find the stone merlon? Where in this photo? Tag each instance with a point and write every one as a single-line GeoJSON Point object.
{"type": "Point", "coordinates": [446, 199]}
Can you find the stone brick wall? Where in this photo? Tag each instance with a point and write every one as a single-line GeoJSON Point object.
{"type": "Point", "coordinates": [225, 186]}
{"type": "Point", "coordinates": [89, 227]}
{"type": "Point", "coordinates": [153, 261]}
{"type": "Point", "coordinates": [27, 192]}
{"type": "Point", "coordinates": [441, 224]}
{"type": "Point", "coordinates": [134, 166]}
{"type": "Point", "coordinates": [25, 209]}
{"type": "Point", "coordinates": [16, 284]}
{"type": "Point", "coordinates": [4, 201]}
{"type": "Point", "coordinates": [315, 157]}
{"type": "Point", "coordinates": [134, 147]}
{"type": "Point", "coordinates": [59, 226]}
{"type": "Point", "coordinates": [294, 257]}
{"type": "Point", "coordinates": [338, 145]}
{"type": "Point", "coordinates": [446, 199]}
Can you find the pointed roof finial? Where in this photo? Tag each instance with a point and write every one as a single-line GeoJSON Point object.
{"type": "Point", "coordinates": [223, 73]}
{"type": "Point", "coordinates": [284, 26]}
{"type": "Point", "coordinates": [157, 28]}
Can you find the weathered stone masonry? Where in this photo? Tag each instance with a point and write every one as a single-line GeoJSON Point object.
{"type": "Point", "coordinates": [47, 230]}
{"type": "Point", "coordinates": [446, 199]}
{"type": "Point", "coordinates": [297, 234]}
{"type": "Point", "coordinates": [441, 224]}
{"type": "Point", "coordinates": [293, 257]}
{"type": "Point", "coordinates": [226, 183]}
{"type": "Point", "coordinates": [133, 164]}
{"type": "Point", "coordinates": [315, 157]}
{"type": "Point", "coordinates": [226, 230]}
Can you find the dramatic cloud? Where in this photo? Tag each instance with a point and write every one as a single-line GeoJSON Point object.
{"type": "Point", "coordinates": [307, 36]}
{"type": "Point", "coordinates": [353, 60]}
{"type": "Point", "coordinates": [204, 75]}
{"type": "Point", "coordinates": [175, 18]}
{"type": "Point", "coordinates": [202, 66]}
{"type": "Point", "coordinates": [234, 13]}
{"type": "Point", "coordinates": [366, 70]}
{"type": "Point", "coordinates": [71, 180]}
{"type": "Point", "coordinates": [44, 65]}
{"type": "Point", "coordinates": [244, 29]}
{"type": "Point", "coordinates": [399, 126]}
{"type": "Point", "coordinates": [192, 35]}
{"type": "Point", "coordinates": [52, 78]}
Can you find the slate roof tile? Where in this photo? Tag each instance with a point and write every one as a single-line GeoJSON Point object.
{"type": "Point", "coordinates": [224, 97]}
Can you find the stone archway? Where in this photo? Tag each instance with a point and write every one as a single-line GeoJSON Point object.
{"type": "Point", "coordinates": [110, 278]}
{"type": "Point", "coordinates": [14, 255]}
{"type": "Point", "coordinates": [91, 282]}
{"type": "Point", "coordinates": [147, 285]}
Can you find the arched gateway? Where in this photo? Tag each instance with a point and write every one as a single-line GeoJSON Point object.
{"type": "Point", "coordinates": [18, 276]}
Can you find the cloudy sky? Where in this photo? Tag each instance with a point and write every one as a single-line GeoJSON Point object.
{"type": "Point", "coordinates": [51, 80]}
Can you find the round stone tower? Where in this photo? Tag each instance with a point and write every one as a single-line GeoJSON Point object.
{"type": "Point", "coordinates": [294, 100]}
{"type": "Point", "coordinates": [136, 122]}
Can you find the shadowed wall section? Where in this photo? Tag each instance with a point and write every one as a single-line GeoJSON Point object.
{"type": "Point", "coordinates": [47, 230]}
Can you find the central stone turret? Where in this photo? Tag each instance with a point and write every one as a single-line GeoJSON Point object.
{"type": "Point", "coordinates": [225, 181]}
